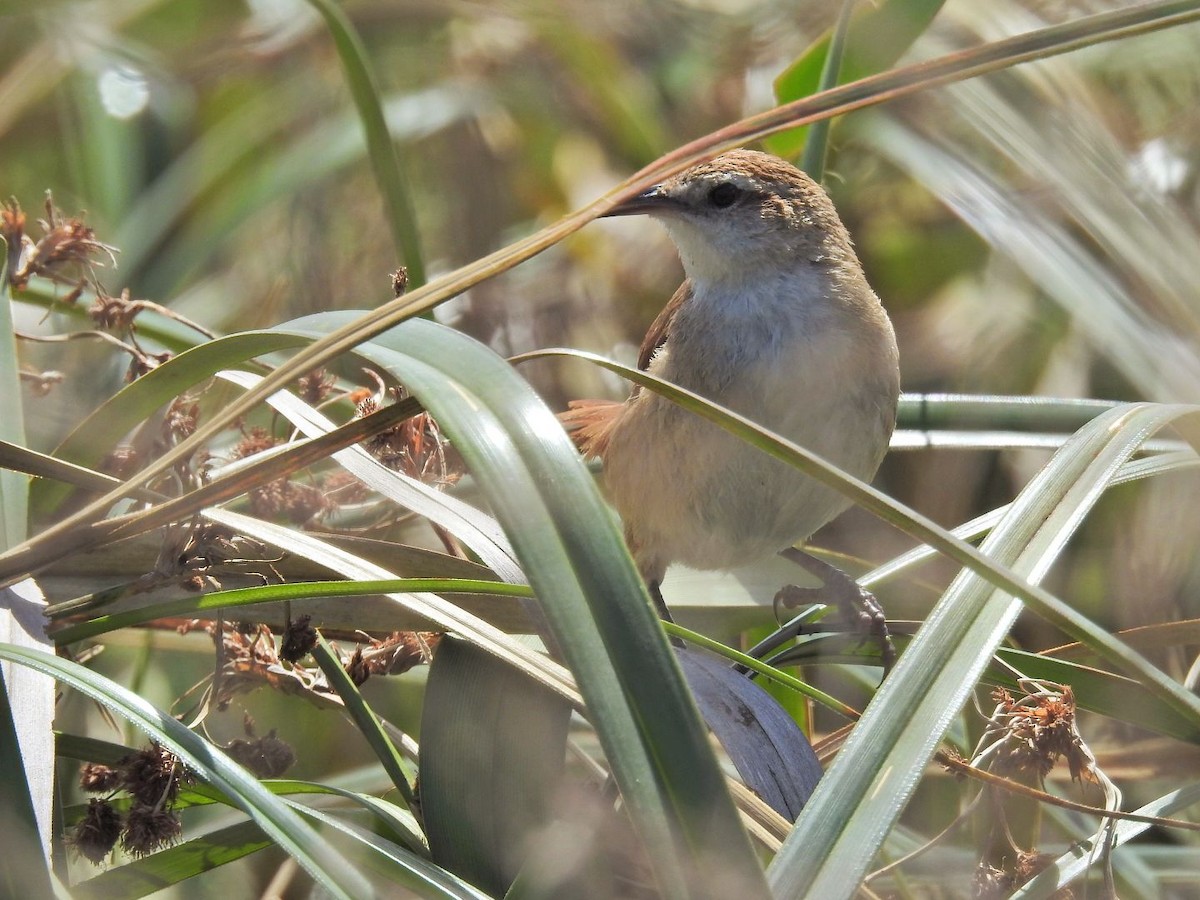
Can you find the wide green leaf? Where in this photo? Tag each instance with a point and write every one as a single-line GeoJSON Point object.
{"type": "Point", "coordinates": [592, 597]}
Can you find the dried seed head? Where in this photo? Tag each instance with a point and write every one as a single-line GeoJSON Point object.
{"type": "Point", "coordinates": [97, 832]}
{"type": "Point", "coordinates": [254, 440]}
{"type": "Point", "coordinates": [316, 386]}
{"type": "Point", "coordinates": [400, 281]}
{"type": "Point", "coordinates": [266, 757]}
{"type": "Point", "coordinates": [357, 668]}
{"type": "Point", "coordinates": [99, 779]}
{"type": "Point", "coordinates": [148, 829]}
{"type": "Point", "coordinates": [298, 638]}
{"type": "Point", "coordinates": [290, 500]}
{"type": "Point", "coordinates": [151, 775]}
{"type": "Point", "coordinates": [1039, 730]}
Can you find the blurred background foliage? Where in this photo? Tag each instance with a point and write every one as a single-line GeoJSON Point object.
{"type": "Point", "coordinates": [1032, 232]}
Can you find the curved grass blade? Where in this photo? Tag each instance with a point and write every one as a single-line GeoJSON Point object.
{"type": "Point", "coordinates": [14, 487]}
{"type": "Point", "coordinates": [365, 720]}
{"type": "Point", "coordinates": [816, 145]}
{"type": "Point", "coordinates": [1160, 464]}
{"type": "Point", "coordinates": [878, 767]}
{"type": "Point", "coordinates": [592, 597]}
{"type": "Point", "coordinates": [239, 598]}
{"type": "Point", "coordinates": [1080, 857]}
{"type": "Point", "coordinates": [401, 867]}
{"type": "Point", "coordinates": [159, 871]}
{"type": "Point", "coordinates": [24, 871]}
{"type": "Point", "coordinates": [282, 825]}
{"type": "Point", "coordinates": [385, 164]}
{"type": "Point", "coordinates": [30, 462]}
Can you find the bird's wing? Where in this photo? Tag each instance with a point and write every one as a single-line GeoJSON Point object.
{"type": "Point", "coordinates": [590, 422]}
{"type": "Point", "coordinates": [661, 327]}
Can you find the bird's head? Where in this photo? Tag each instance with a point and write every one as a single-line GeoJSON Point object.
{"type": "Point", "coordinates": [742, 211]}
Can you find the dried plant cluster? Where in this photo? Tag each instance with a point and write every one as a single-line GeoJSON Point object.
{"type": "Point", "coordinates": [195, 554]}
{"type": "Point", "coordinates": [151, 779]}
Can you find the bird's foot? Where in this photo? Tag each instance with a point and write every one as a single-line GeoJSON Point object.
{"type": "Point", "coordinates": [660, 606]}
{"type": "Point", "coordinates": [859, 608]}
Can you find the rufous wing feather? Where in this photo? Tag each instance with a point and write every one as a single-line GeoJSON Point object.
{"type": "Point", "coordinates": [660, 329]}
{"type": "Point", "coordinates": [590, 424]}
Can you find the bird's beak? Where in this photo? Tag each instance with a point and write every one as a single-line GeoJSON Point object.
{"type": "Point", "coordinates": [652, 201]}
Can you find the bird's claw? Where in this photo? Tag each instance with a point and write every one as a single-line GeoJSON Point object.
{"type": "Point", "coordinates": [859, 608]}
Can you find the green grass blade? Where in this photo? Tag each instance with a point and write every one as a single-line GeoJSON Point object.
{"type": "Point", "coordinates": [877, 36]}
{"type": "Point", "coordinates": [871, 780]}
{"type": "Point", "coordinates": [816, 145]}
{"type": "Point", "coordinates": [282, 825]}
{"type": "Point", "coordinates": [159, 871]}
{"type": "Point", "coordinates": [239, 598]}
{"type": "Point", "coordinates": [932, 412]}
{"type": "Point", "coordinates": [401, 867]}
{"type": "Point", "coordinates": [615, 647]}
{"type": "Point", "coordinates": [23, 868]}
{"type": "Point", "coordinates": [364, 718]}
{"type": "Point", "coordinates": [1082, 856]}
{"type": "Point", "coordinates": [14, 487]}
{"type": "Point", "coordinates": [385, 163]}
{"type": "Point", "coordinates": [492, 751]}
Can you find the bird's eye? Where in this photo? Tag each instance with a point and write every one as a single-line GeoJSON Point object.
{"type": "Point", "coordinates": [724, 195]}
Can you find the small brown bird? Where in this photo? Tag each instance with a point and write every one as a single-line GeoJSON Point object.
{"type": "Point", "coordinates": [776, 321]}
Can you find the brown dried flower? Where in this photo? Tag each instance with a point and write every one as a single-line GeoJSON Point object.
{"type": "Point", "coordinates": [148, 829]}
{"type": "Point", "coordinates": [315, 387]}
{"type": "Point", "coordinates": [298, 638]}
{"type": "Point", "coordinates": [357, 668]}
{"type": "Point", "coordinates": [115, 313]}
{"type": "Point", "coordinates": [66, 245]}
{"type": "Point", "coordinates": [1039, 729]}
{"type": "Point", "coordinates": [151, 775]}
{"type": "Point", "coordinates": [400, 281]}
{"type": "Point", "coordinates": [99, 779]}
{"type": "Point", "coordinates": [290, 500]}
{"type": "Point", "coordinates": [96, 833]}
{"type": "Point", "coordinates": [254, 440]}
{"type": "Point", "coordinates": [266, 757]}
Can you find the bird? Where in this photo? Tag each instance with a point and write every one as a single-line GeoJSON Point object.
{"type": "Point", "coordinates": [776, 321]}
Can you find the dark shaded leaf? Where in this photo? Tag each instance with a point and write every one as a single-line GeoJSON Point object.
{"type": "Point", "coordinates": [493, 745]}
{"type": "Point", "coordinates": [768, 749]}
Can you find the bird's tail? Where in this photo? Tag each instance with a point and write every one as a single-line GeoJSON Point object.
{"type": "Point", "coordinates": [590, 424]}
